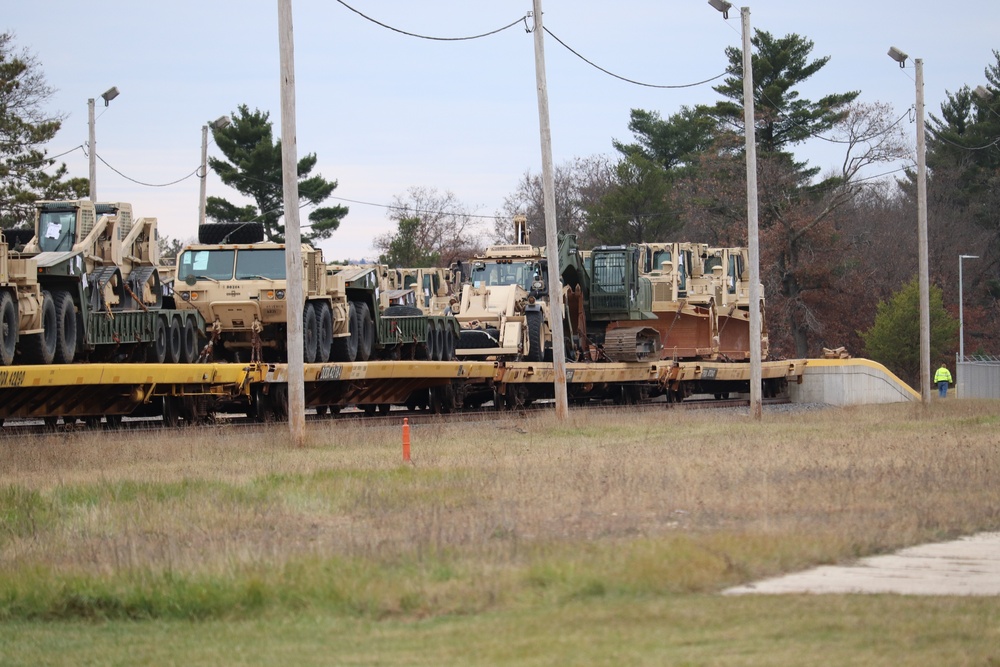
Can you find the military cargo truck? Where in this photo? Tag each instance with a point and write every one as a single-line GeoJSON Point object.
{"type": "Point", "coordinates": [86, 287]}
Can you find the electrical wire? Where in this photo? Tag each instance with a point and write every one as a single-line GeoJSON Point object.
{"type": "Point", "coordinates": [49, 158]}
{"type": "Point", "coordinates": [622, 78]}
{"type": "Point", "coordinates": [437, 39]}
{"type": "Point", "coordinates": [148, 185]}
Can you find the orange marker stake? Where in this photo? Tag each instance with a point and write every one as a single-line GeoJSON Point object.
{"type": "Point", "coordinates": [406, 439]}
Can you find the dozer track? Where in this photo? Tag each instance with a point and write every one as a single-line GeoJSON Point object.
{"type": "Point", "coordinates": [632, 344]}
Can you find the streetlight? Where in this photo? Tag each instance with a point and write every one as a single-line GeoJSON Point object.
{"type": "Point", "coordinates": [961, 319]}
{"type": "Point", "coordinates": [753, 247]}
{"type": "Point", "coordinates": [108, 95]}
{"type": "Point", "coordinates": [922, 270]}
{"type": "Point", "coordinates": [217, 124]}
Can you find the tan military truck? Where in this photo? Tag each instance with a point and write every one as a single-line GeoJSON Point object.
{"type": "Point", "coordinates": [86, 286]}
{"type": "Point", "coordinates": [504, 307]}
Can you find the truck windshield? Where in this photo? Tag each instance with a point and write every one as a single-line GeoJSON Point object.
{"type": "Point", "coordinates": [56, 230]}
{"type": "Point", "coordinates": [489, 274]}
{"type": "Point", "coordinates": [269, 264]}
{"type": "Point", "coordinates": [195, 265]}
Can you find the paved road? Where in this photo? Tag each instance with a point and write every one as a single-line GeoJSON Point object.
{"type": "Point", "coordinates": [968, 566]}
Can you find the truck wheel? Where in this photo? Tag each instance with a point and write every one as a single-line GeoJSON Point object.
{"type": "Point", "coordinates": [430, 344]}
{"type": "Point", "coordinates": [156, 353]}
{"type": "Point", "coordinates": [366, 331]}
{"type": "Point", "coordinates": [41, 348]}
{"type": "Point", "coordinates": [324, 332]}
{"type": "Point", "coordinates": [174, 355]}
{"type": "Point", "coordinates": [447, 342]}
{"type": "Point", "coordinates": [345, 348]}
{"type": "Point", "coordinates": [536, 343]}
{"type": "Point", "coordinates": [309, 334]}
{"type": "Point", "coordinates": [9, 322]}
{"type": "Point", "coordinates": [189, 342]}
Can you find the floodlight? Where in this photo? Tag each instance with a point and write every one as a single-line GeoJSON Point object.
{"type": "Point", "coordinates": [898, 56]}
{"type": "Point", "coordinates": [109, 94]}
{"type": "Point", "coordinates": [722, 6]}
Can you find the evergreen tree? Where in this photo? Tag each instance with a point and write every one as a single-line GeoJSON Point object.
{"type": "Point", "coordinates": [24, 129]}
{"type": "Point", "coordinates": [894, 339]}
{"type": "Point", "coordinates": [253, 167]}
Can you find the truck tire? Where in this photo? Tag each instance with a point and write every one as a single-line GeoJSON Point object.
{"type": "Point", "coordinates": [324, 331]}
{"type": "Point", "coordinates": [156, 352]}
{"type": "Point", "coordinates": [231, 232]}
{"type": "Point", "coordinates": [9, 321]}
{"type": "Point", "coordinates": [189, 342]}
{"type": "Point", "coordinates": [308, 334]}
{"type": "Point", "coordinates": [430, 344]}
{"type": "Point", "coordinates": [41, 348]}
{"type": "Point", "coordinates": [536, 342]}
{"type": "Point", "coordinates": [439, 342]}
{"type": "Point", "coordinates": [65, 327]}
{"type": "Point", "coordinates": [345, 348]}
{"type": "Point", "coordinates": [174, 355]}
{"type": "Point", "coordinates": [366, 331]}
{"type": "Point", "coordinates": [448, 337]}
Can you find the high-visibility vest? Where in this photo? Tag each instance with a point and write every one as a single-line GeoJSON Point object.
{"type": "Point", "coordinates": [942, 375]}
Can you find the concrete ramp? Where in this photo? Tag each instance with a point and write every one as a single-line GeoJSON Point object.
{"type": "Point", "coordinates": [850, 382]}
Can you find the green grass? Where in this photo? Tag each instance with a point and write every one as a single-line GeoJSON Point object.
{"type": "Point", "coordinates": [600, 541]}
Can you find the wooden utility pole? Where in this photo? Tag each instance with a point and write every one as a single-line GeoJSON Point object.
{"type": "Point", "coordinates": [551, 239]}
{"type": "Point", "coordinates": [293, 239]}
{"type": "Point", "coordinates": [922, 264]}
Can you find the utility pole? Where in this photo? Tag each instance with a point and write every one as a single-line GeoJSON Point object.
{"type": "Point", "coordinates": [756, 409]}
{"type": "Point", "coordinates": [293, 239]}
{"type": "Point", "coordinates": [551, 240]}
{"type": "Point", "coordinates": [922, 263]}
{"type": "Point", "coordinates": [92, 147]}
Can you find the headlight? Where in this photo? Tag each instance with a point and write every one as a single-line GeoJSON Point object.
{"type": "Point", "coordinates": [185, 296]}
{"type": "Point", "coordinates": [280, 293]}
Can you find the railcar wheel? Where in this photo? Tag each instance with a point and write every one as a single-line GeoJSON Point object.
{"type": "Point", "coordinates": [9, 322]}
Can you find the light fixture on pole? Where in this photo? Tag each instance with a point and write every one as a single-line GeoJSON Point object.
{"type": "Point", "coordinates": [923, 272]}
{"type": "Point", "coordinates": [756, 402]}
{"type": "Point", "coordinates": [108, 95]}
{"type": "Point", "coordinates": [217, 124]}
{"type": "Point", "coordinates": [961, 301]}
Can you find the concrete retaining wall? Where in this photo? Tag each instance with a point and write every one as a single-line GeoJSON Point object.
{"type": "Point", "coordinates": [849, 382]}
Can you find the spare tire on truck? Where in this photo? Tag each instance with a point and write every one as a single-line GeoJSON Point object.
{"type": "Point", "coordinates": [230, 232]}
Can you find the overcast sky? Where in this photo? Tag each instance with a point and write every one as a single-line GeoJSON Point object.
{"type": "Point", "coordinates": [385, 111]}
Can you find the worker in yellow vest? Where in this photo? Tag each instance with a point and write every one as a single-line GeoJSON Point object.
{"type": "Point", "coordinates": [943, 378]}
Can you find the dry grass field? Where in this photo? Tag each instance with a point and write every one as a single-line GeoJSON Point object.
{"type": "Point", "coordinates": [519, 540]}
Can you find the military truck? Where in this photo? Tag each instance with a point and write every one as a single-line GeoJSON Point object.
{"type": "Point", "coordinates": [504, 308]}
{"type": "Point", "coordinates": [240, 290]}
{"type": "Point", "coordinates": [86, 287]}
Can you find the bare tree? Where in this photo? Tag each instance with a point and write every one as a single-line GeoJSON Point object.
{"type": "Point", "coordinates": [579, 183]}
{"type": "Point", "coordinates": [436, 224]}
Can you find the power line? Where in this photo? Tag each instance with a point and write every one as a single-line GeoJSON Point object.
{"type": "Point", "coordinates": [437, 39]}
{"type": "Point", "coordinates": [148, 185]}
{"type": "Point", "coordinates": [622, 78]}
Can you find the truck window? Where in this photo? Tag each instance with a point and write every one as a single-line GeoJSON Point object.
{"type": "Point", "coordinates": [56, 230]}
{"type": "Point", "coordinates": [197, 265]}
{"type": "Point", "coordinates": [268, 263]}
